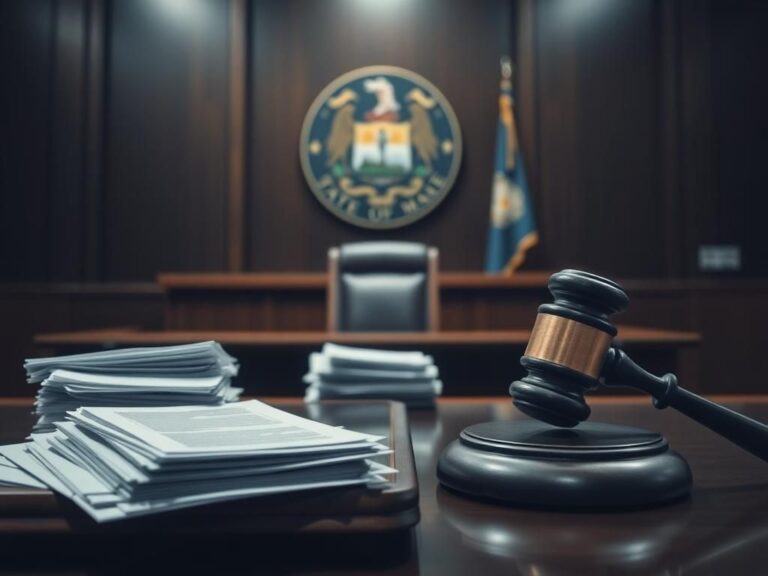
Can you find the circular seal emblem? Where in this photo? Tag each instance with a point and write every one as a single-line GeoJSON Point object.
{"type": "Point", "coordinates": [380, 147]}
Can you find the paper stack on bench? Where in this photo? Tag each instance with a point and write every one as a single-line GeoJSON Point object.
{"type": "Point", "coordinates": [121, 462]}
{"type": "Point", "coordinates": [346, 372]}
{"type": "Point", "coordinates": [160, 376]}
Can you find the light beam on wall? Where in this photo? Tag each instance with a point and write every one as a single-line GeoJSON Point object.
{"type": "Point", "coordinates": [181, 11]}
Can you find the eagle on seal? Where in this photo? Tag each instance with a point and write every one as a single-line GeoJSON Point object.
{"type": "Point", "coordinates": [387, 109]}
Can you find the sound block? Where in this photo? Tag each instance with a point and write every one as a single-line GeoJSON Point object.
{"type": "Point", "coordinates": [594, 465]}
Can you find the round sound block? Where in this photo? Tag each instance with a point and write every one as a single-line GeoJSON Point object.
{"type": "Point", "coordinates": [594, 465]}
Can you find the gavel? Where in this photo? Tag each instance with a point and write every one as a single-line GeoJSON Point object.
{"type": "Point", "coordinates": [571, 351]}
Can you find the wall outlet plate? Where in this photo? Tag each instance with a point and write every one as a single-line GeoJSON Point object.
{"type": "Point", "coordinates": [720, 258]}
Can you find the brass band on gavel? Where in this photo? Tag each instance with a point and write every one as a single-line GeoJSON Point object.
{"type": "Point", "coordinates": [568, 343]}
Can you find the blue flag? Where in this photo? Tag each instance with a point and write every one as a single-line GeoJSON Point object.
{"type": "Point", "coordinates": [512, 229]}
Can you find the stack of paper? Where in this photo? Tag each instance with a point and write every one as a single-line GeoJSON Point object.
{"type": "Point", "coordinates": [162, 376]}
{"type": "Point", "coordinates": [121, 462]}
{"type": "Point", "coordinates": [345, 372]}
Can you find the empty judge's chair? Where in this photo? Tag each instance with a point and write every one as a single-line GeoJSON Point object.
{"type": "Point", "coordinates": [383, 287]}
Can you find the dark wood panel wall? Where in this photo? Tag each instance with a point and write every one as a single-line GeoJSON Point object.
{"type": "Point", "coordinates": [298, 47]}
{"type": "Point", "coordinates": [166, 138]}
{"type": "Point", "coordinates": [601, 136]}
{"type": "Point", "coordinates": [153, 135]}
{"type": "Point", "coordinates": [146, 136]}
{"type": "Point", "coordinates": [739, 96]}
{"type": "Point", "coordinates": [26, 39]}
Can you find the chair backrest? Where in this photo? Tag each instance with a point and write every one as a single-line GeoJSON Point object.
{"type": "Point", "coordinates": [383, 287]}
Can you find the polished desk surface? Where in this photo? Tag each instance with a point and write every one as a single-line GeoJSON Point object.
{"type": "Point", "coordinates": [721, 529]}
{"type": "Point", "coordinates": [634, 335]}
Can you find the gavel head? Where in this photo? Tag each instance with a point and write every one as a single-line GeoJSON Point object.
{"type": "Point", "coordinates": [567, 347]}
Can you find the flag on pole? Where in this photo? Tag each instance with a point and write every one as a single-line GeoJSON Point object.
{"type": "Point", "coordinates": [512, 229]}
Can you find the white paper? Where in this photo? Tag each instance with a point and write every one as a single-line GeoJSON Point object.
{"type": "Point", "coordinates": [17, 453]}
{"type": "Point", "coordinates": [348, 373]}
{"type": "Point", "coordinates": [121, 462]}
{"type": "Point", "coordinates": [12, 476]}
{"type": "Point", "coordinates": [320, 365]}
{"type": "Point", "coordinates": [194, 374]}
{"type": "Point", "coordinates": [243, 427]}
{"type": "Point", "coordinates": [394, 360]}
{"type": "Point", "coordinates": [99, 382]}
{"type": "Point", "coordinates": [201, 358]}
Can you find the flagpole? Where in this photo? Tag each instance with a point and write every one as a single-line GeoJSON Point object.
{"type": "Point", "coordinates": [512, 229]}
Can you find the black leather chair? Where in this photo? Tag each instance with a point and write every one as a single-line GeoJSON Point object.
{"type": "Point", "coordinates": [383, 287]}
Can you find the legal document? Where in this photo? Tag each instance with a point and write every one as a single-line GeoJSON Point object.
{"type": "Point", "coordinates": [121, 462]}
{"type": "Point", "coordinates": [198, 374]}
{"type": "Point", "coordinates": [345, 372]}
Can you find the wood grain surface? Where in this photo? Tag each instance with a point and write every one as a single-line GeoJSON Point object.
{"type": "Point", "coordinates": [721, 529]}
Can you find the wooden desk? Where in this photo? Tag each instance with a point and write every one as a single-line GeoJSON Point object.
{"type": "Point", "coordinates": [470, 362]}
{"type": "Point", "coordinates": [721, 529]}
{"type": "Point", "coordinates": [297, 300]}
{"type": "Point", "coordinates": [722, 310]}
{"type": "Point", "coordinates": [726, 312]}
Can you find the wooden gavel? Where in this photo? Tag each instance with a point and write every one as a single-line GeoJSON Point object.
{"type": "Point", "coordinates": [570, 352]}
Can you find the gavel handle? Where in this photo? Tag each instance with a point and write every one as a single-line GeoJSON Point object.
{"type": "Point", "coordinates": [749, 434]}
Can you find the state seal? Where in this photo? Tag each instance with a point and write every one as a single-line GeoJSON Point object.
{"type": "Point", "coordinates": [380, 147]}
